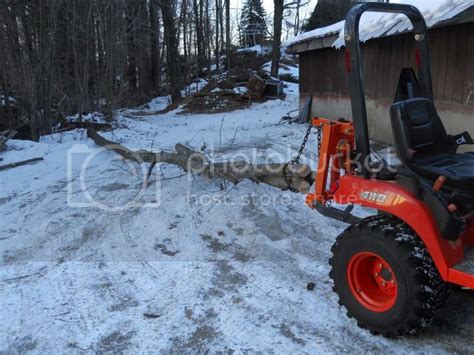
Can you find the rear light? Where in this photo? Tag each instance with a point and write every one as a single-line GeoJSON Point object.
{"type": "Point", "coordinates": [348, 60]}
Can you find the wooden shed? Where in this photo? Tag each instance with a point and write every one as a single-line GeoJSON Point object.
{"type": "Point", "coordinates": [323, 75]}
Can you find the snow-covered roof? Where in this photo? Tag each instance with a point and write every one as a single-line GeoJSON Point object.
{"type": "Point", "coordinates": [373, 24]}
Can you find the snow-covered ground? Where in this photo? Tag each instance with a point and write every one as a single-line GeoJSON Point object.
{"type": "Point", "coordinates": [93, 117]}
{"type": "Point", "coordinates": [259, 49]}
{"type": "Point", "coordinates": [194, 266]}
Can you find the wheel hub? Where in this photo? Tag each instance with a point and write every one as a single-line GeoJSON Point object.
{"type": "Point", "coordinates": [372, 281]}
{"type": "Point", "coordinates": [386, 274]}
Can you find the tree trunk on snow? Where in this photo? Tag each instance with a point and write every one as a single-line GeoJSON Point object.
{"type": "Point", "coordinates": [277, 26]}
{"type": "Point", "coordinates": [300, 176]}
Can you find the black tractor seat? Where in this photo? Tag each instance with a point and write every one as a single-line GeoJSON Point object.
{"type": "Point", "coordinates": [457, 168]}
{"type": "Point", "coordinates": [425, 147]}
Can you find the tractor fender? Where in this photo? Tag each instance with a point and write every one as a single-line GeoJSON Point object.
{"type": "Point", "coordinates": [391, 198]}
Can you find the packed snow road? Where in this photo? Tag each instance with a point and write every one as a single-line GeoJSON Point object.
{"type": "Point", "coordinates": [196, 265]}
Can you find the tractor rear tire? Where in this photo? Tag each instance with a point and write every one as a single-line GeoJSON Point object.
{"type": "Point", "coordinates": [385, 277]}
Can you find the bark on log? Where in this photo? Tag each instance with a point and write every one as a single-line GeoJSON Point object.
{"type": "Point", "coordinates": [19, 163]}
{"type": "Point", "coordinates": [300, 176]}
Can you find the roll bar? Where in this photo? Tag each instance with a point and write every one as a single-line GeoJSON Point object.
{"type": "Point", "coordinates": [353, 57]}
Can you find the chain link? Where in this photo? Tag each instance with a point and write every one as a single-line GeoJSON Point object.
{"type": "Point", "coordinates": [297, 158]}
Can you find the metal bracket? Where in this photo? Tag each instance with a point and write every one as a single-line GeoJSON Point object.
{"type": "Point", "coordinates": [335, 213]}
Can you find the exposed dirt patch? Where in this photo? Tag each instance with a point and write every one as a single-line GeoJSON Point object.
{"type": "Point", "coordinates": [164, 250]}
{"type": "Point", "coordinates": [124, 303]}
{"type": "Point", "coordinates": [115, 342]}
{"type": "Point", "coordinates": [227, 278]}
{"type": "Point", "coordinates": [287, 332]}
{"type": "Point", "coordinates": [21, 346]}
{"type": "Point", "coordinates": [216, 245]}
{"type": "Point", "coordinates": [212, 103]}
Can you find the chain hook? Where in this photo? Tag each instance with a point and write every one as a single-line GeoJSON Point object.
{"type": "Point", "coordinates": [297, 158]}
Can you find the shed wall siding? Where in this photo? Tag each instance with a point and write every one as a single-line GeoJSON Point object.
{"type": "Point", "coordinates": [452, 66]}
{"type": "Point", "coordinates": [324, 77]}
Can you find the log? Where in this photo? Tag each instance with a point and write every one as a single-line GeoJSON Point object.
{"type": "Point", "coordinates": [19, 163]}
{"type": "Point", "coordinates": [300, 176]}
{"type": "Point", "coordinates": [5, 137]}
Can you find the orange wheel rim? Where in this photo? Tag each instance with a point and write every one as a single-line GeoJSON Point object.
{"type": "Point", "coordinates": [372, 281]}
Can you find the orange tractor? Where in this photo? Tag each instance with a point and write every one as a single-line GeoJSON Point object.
{"type": "Point", "coordinates": [392, 271]}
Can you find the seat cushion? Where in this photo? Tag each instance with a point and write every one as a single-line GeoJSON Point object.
{"type": "Point", "coordinates": [457, 168]}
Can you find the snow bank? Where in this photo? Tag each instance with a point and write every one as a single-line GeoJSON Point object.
{"type": "Point", "coordinates": [159, 103]}
{"type": "Point", "coordinates": [240, 90]}
{"type": "Point", "coordinates": [94, 117]}
{"type": "Point", "coordinates": [283, 70]}
{"type": "Point", "coordinates": [195, 86]}
{"type": "Point", "coordinates": [266, 50]}
{"type": "Point", "coordinates": [259, 49]}
{"type": "Point", "coordinates": [373, 25]}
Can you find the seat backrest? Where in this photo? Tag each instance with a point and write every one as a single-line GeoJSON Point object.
{"type": "Point", "coordinates": [408, 86]}
{"type": "Point", "coordinates": [418, 130]}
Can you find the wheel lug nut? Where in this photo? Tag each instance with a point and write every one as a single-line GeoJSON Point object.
{"type": "Point", "coordinates": [376, 274]}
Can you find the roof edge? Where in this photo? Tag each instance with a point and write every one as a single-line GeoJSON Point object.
{"type": "Point", "coordinates": [327, 41]}
{"type": "Point", "coordinates": [312, 44]}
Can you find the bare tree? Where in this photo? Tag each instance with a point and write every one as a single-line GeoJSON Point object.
{"type": "Point", "coordinates": [277, 27]}
{"type": "Point", "coordinates": [155, 45]}
{"type": "Point", "coordinates": [198, 7]}
{"type": "Point", "coordinates": [227, 32]}
{"type": "Point", "coordinates": [174, 77]}
{"type": "Point", "coordinates": [217, 33]}
{"type": "Point", "coordinates": [67, 57]}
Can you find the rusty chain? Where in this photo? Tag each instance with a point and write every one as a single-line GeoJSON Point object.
{"type": "Point", "coordinates": [297, 158]}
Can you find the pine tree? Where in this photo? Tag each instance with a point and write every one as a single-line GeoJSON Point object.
{"type": "Point", "coordinates": [253, 23]}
